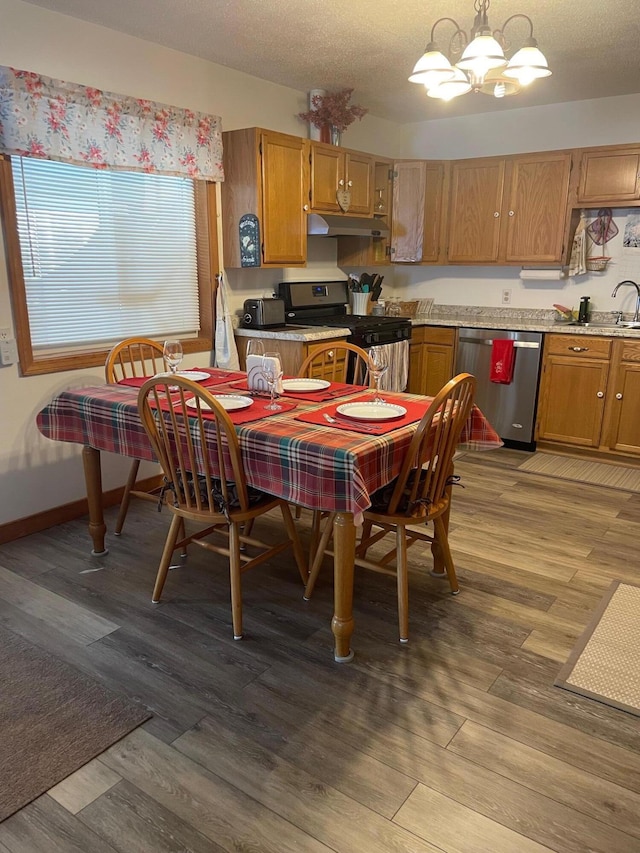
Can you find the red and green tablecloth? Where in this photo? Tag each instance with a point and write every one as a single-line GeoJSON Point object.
{"type": "Point", "coordinates": [317, 466]}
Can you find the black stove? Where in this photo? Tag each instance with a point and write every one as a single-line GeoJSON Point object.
{"type": "Point", "coordinates": [323, 303]}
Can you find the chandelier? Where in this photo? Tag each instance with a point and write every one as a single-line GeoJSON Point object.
{"type": "Point", "coordinates": [482, 65]}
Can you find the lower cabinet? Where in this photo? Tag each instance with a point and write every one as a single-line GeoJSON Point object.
{"type": "Point", "coordinates": [590, 393]}
{"type": "Point", "coordinates": [431, 358]}
{"type": "Point", "coordinates": [292, 353]}
{"type": "Point", "coordinates": [623, 404]}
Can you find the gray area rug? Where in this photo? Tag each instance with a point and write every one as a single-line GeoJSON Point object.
{"type": "Point", "coordinates": [53, 719]}
{"type": "Point", "coordinates": [605, 663]}
{"type": "Point", "coordinates": [583, 471]}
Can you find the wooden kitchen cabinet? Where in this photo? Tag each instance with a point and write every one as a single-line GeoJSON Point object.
{"type": "Point", "coordinates": [419, 211]}
{"type": "Point", "coordinates": [609, 176]}
{"type": "Point", "coordinates": [334, 169]}
{"type": "Point", "coordinates": [372, 251]}
{"type": "Point", "coordinates": [266, 174]}
{"type": "Point", "coordinates": [509, 210]}
{"type": "Point", "coordinates": [590, 393]}
{"type": "Point", "coordinates": [431, 358]}
{"type": "Point", "coordinates": [292, 353]}
{"type": "Point", "coordinates": [622, 419]}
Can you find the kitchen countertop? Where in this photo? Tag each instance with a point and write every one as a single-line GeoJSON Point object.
{"type": "Point", "coordinates": [517, 320]}
{"type": "Point", "coordinates": [304, 334]}
{"type": "Point", "coordinates": [459, 316]}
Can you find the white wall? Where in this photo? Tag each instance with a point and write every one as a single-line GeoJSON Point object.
{"type": "Point", "coordinates": [35, 473]}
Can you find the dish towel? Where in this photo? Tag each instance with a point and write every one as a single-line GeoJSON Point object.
{"type": "Point", "coordinates": [226, 352]}
{"type": "Point", "coordinates": [397, 375]}
{"type": "Point", "coordinates": [503, 357]}
{"type": "Point", "coordinates": [578, 262]}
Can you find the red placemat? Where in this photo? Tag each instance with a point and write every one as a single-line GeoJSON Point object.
{"type": "Point", "coordinates": [216, 377]}
{"type": "Point", "coordinates": [255, 412]}
{"type": "Point", "coordinates": [336, 389]}
{"type": "Point", "coordinates": [415, 411]}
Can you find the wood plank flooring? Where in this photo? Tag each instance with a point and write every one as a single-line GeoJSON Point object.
{"type": "Point", "coordinates": [457, 742]}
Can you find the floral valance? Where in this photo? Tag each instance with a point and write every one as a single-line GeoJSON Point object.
{"type": "Point", "coordinates": [56, 120]}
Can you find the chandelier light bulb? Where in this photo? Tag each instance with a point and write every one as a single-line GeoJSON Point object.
{"type": "Point", "coordinates": [449, 89]}
{"type": "Point", "coordinates": [527, 64]}
{"type": "Point", "coordinates": [432, 68]}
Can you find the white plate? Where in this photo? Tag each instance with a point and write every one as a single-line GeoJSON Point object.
{"type": "Point", "coordinates": [195, 375]}
{"type": "Point", "coordinates": [304, 384]}
{"type": "Point", "coordinates": [230, 402]}
{"type": "Point", "coordinates": [370, 411]}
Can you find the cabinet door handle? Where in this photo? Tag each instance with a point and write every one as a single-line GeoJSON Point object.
{"type": "Point", "coordinates": [578, 349]}
{"type": "Point", "coordinates": [305, 207]}
{"type": "Point", "coordinates": [512, 213]}
{"type": "Point", "coordinates": [600, 394]}
{"type": "Point", "coordinates": [496, 214]}
{"type": "Point", "coordinates": [618, 396]}
{"type": "Point", "coordinates": [341, 182]}
{"type": "Point", "coordinates": [349, 183]}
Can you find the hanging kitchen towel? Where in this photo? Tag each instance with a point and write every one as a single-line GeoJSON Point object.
{"type": "Point", "coordinates": [503, 357]}
{"type": "Point", "coordinates": [226, 352]}
{"type": "Point", "coordinates": [578, 262]}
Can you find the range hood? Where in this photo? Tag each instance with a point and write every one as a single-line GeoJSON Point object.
{"type": "Point", "coordinates": [327, 225]}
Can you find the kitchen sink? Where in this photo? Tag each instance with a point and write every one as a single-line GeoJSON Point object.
{"type": "Point", "coordinates": [625, 324]}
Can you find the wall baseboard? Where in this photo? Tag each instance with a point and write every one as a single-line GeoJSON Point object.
{"type": "Point", "coordinates": [67, 512]}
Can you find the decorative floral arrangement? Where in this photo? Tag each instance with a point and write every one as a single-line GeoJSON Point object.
{"type": "Point", "coordinates": [333, 110]}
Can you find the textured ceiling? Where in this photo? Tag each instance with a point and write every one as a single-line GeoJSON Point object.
{"type": "Point", "coordinates": [593, 48]}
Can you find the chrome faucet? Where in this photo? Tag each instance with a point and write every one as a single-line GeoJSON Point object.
{"type": "Point", "coordinates": [636, 316]}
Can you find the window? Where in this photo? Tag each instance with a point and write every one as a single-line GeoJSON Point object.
{"type": "Point", "coordinates": [96, 256]}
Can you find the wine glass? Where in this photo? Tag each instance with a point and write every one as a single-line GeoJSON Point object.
{"type": "Point", "coordinates": [271, 372]}
{"type": "Point", "coordinates": [172, 354]}
{"type": "Point", "coordinates": [254, 347]}
{"type": "Point", "coordinates": [378, 366]}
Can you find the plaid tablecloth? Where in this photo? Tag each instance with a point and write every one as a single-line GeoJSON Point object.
{"type": "Point", "coordinates": [316, 466]}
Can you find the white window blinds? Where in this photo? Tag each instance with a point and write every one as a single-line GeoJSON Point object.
{"type": "Point", "coordinates": [106, 254]}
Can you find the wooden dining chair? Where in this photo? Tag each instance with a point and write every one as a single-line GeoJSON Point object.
{"type": "Point", "coordinates": [206, 483]}
{"type": "Point", "coordinates": [132, 358]}
{"type": "Point", "coordinates": [332, 361]}
{"type": "Point", "coordinates": [421, 493]}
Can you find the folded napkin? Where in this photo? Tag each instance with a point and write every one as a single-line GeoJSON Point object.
{"type": "Point", "coordinates": [255, 377]}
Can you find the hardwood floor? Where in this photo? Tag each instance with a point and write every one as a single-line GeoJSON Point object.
{"type": "Point", "coordinates": [456, 742]}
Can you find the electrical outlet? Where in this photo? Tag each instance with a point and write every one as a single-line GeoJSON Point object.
{"type": "Point", "coordinates": [5, 335]}
{"type": "Point", "coordinates": [506, 296]}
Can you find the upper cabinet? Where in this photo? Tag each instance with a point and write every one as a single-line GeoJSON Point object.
{"type": "Point", "coordinates": [419, 211]}
{"type": "Point", "coordinates": [509, 210]}
{"type": "Point", "coordinates": [372, 251]}
{"type": "Point", "coordinates": [341, 179]}
{"type": "Point", "coordinates": [267, 175]}
{"type": "Point", "coordinates": [610, 175]}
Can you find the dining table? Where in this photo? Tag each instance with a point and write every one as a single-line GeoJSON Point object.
{"type": "Point", "coordinates": [306, 453]}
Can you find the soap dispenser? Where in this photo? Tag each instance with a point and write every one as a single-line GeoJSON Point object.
{"type": "Point", "coordinates": [585, 310]}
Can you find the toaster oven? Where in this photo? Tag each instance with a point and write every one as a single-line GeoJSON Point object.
{"type": "Point", "coordinates": [263, 313]}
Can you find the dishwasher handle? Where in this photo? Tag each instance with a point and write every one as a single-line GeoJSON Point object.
{"type": "Point", "coordinates": [487, 342]}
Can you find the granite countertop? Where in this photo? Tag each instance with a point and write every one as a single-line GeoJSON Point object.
{"type": "Point", "coordinates": [519, 320]}
{"type": "Point", "coordinates": [304, 334]}
{"type": "Point", "coordinates": [459, 316]}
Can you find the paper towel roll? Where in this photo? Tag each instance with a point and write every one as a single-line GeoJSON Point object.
{"type": "Point", "coordinates": [542, 275]}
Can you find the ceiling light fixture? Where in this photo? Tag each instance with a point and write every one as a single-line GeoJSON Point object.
{"type": "Point", "coordinates": [482, 65]}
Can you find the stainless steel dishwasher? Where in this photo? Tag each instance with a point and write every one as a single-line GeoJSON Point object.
{"type": "Point", "coordinates": [510, 409]}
